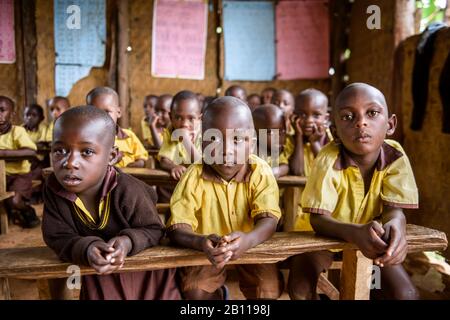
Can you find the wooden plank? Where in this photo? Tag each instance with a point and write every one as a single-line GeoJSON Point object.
{"type": "Point", "coordinates": [123, 43]}
{"type": "Point", "coordinates": [159, 177]}
{"type": "Point", "coordinates": [355, 275]}
{"type": "Point", "coordinates": [2, 177]}
{"type": "Point", "coordinates": [5, 293]}
{"type": "Point", "coordinates": [291, 198]}
{"type": "Point", "coordinates": [28, 8]}
{"type": "Point", "coordinates": [41, 262]}
{"type": "Point", "coordinates": [325, 286]}
{"type": "Point", "coordinates": [6, 195]}
{"type": "Point", "coordinates": [3, 219]}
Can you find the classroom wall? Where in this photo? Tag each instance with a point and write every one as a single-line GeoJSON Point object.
{"type": "Point", "coordinates": [140, 81]}
{"type": "Point", "coordinates": [373, 51]}
{"type": "Point", "coordinates": [428, 149]}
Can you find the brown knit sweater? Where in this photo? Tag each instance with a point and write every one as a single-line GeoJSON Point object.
{"type": "Point", "coordinates": [132, 213]}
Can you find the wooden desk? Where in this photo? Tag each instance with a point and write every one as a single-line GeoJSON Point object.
{"type": "Point", "coordinates": [42, 263]}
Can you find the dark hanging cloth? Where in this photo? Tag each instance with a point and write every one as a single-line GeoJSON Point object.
{"type": "Point", "coordinates": [444, 91]}
{"type": "Point", "coordinates": [421, 73]}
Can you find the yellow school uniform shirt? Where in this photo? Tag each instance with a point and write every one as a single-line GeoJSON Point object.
{"type": "Point", "coordinates": [285, 154]}
{"type": "Point", "coordinates": [302, 222]}
{"type": "Point", "coordinates": [175, 150]}
{"type": "Point", "coordinates": [40, 135]}
{"type": "Point", "coordinates": [209, 204]}
{"type": "Point", "coordinates": [49, 134]}
{"type": "Point", "coordinates": [147, 134]}
{"type": "Point", "coordinates": [16, 138]}
{"type": "Point", "coordinates": [336, 187]}
{"type": "Point", "coordinates": [129, 144]}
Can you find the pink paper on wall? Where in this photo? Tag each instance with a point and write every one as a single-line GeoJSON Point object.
{"type": "Point", "coordinates": [7, 43]}
{"type": "Point", "coordinates": [303, 39]}
{"type": "Point", "coordinates": [179, 39]}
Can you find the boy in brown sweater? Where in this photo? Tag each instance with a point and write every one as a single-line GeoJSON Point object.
{"type": "Point", "coordinates": [91, 218]}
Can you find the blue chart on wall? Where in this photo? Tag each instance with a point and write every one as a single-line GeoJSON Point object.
{"type": "Point", "coordinates": [80, 38]}
{"type": "Point", "coordinates": [249, 39]}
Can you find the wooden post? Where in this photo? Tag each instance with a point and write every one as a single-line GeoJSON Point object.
{"type": "Point", "coordinates": [123, 43]}
{"type": "Point", "coordinates": [291, 198]}
{"type": "Point", "coordinates": [20, 73]}
{"type": "Point", "coordinates": [3, 212]}
{"type": "Point", "coordinates": [339, 11]}
{"type": "Point", "coordinates": [5, 293]}
{"type": "Point", "coordinates": [355, 276]}
{"type": "Point", "coordinates": [28, 9]}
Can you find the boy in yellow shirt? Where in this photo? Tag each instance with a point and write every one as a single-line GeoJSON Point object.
{"type": "Point", "coordinates": [285, 100]}
{"type": "Point", "coordinates": [56, 105]}
{"type": "Point", "coordinates": [270, 119]}
{"type": "Point", "coordinates": [131, 151]}
{"type": "Point", "coordinates": [310, 120]}
{"type": "Point", "coordinates": [185, 115]}
{"type": "Point", "coordinates": [357, 190]}
{"type": "Point", "coordinates": [15, 142]}
{"type": "Point", "coordinates": [226, 206]}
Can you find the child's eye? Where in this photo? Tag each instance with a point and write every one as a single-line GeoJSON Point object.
{"type": "Point", "coordinates": [373, 113]}
{"type": "Point", "coordinates": [88, 152]}
{"type": "Point", "coordinates": [347, 117]}
{"type": "Point", "coordinates": [59, 151]}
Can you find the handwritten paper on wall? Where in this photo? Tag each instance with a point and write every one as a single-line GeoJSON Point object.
{"type": "Point", "coordinates": [179, 39]}
{"type": "Point", "coordinates": [303, 38]}
{"type": "Point", "coordinates": [7, 43]}
{"type": "Point", "coordinates": [249, 40]}
{"type": "Point", "coordinates": [80, 37]}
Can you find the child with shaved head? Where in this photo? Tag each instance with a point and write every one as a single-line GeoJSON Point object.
{"type": "Point", "coordinates": [357, 190]}
{"type": "Point", "coordinates": [91, 217]}
{"type": "Point", "coordinates": [270, 126]}
{"type": "Point", "coordinates": [131, 150]}
{"type": "Point", "coordinates": [237, 92]}
{"type": "Point", "coordinates": [225, 206]}
{"type": "Point", "coordinates": [56, 106]}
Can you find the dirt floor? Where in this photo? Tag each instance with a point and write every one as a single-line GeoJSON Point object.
{"type": "Point", "coordinates": [430, 272]}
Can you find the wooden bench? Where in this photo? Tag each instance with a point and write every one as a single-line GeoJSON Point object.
{"type": "Point", "coordinates": [42, 263]}
{"type": "Point", "coordinates": [3, 196]}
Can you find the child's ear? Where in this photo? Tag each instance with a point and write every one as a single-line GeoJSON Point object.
{"type": "Point", "coordinates": [113, 156]}
{"type": "Point", "coordinates": [200, 116]}
{"type": "Point", "coordinates": [392, 124]}
{"type": "Point", "coordinates": [119, 114]}
{"type": "Point", "coordinates": [327, 117]}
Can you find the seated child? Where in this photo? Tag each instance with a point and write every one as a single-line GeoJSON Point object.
{"type": "Point", "coordinates": [237, 91]}
{"type": "Point", "coordinates": [253, 101]}
{"type": "Point", "coordinates": [203, 219]}
{"type": "Point", "coordinates": [131, 151]}
{"type": "Point", "coordinates": [285, 100]}
{"type": "Point", "coordinates": [267, 95]}
{"type": "Point", "coordinates": [185, 115]}
{"type": "Point", "coordinates": [311, 134]}
{"type": "Point", "coordinates": [162, 114]}
{"type": "Point", "coordinates": [270, 119]}
{"type": "Point", "coordinates": [357, 190]}
{"type": "Point", "coordinates": [15, 142]}
{"type": "Point", "coordinates": [148, 123]}
{"type": "Point", "coordinates": [33, 122]}
{"type": "Point", "coordinates": [56, 105]}
{"type": "Point", "coordinates": [90, 216]}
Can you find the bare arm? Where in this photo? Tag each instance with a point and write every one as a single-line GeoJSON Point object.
{"type": "Point", "coordinates": [367, 237]}
{"type": "Point", "coordinates": [157, 142]}
{"type": "Point", "coordinates": [280, 171]}
{"type": "Point", "coordinates": [140, 163]}
{"type": "Point", "coordinates": [297, 161]}
{"type": "Point", "coordinates": [23, 152]}
{"type": "Point", "coordinates": [167, 164]}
